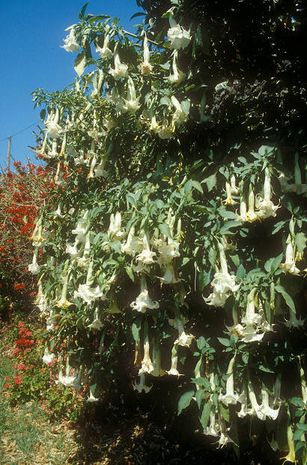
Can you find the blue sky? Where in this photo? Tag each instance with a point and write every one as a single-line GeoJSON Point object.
{"type": "Point", "coordinates": [31, 34]}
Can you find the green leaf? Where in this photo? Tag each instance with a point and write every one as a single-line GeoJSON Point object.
{"type": "Point", "coordinates": [129, 272]}
{"type": "Point", "coordinates": [297, 401]}
{"type": "Point", "coordinates": [199, 397]}
{"type": "Point", "coordinates": [197, 186]}
{"type": "Point", "coordinates": [136, 15]}
{"type": "Point", "coordinates": [83, 10]}
{"type": "Point", "coordinates": [287, 298]}
{"type": "Point", "coordinates": [185, 400]}
{"type": "Point", "coordinates": [272, 264]}
{"type": "Point", "coordinates": [225, 342]}
{"type": "Point", "coordinates": [224, 412]}
{"type": "Point", "coordinates": [164, 229]}
{"type": "Point", "coordinates": [210, 182]}
{"type": "Point", "coordinates": [136, 328]}
{"type": "Point", "coordinates": [80, 63]}
{"type": "Point", "coordinates": [205, 415]}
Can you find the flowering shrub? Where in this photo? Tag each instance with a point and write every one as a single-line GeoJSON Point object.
{"type": "Point", "coordinates": [32, 381]}
{"type": "Point", "coordinates": [21, 194]}
{"type": "Point", "coordinates": [175, 245]}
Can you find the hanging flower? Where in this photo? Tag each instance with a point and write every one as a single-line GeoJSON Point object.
{"type": "Point", "coordinates": [146, 364]}
{"type": "Point", "coordinates": [145, 66]}
{"type": "Point", "coordinates": [70, 42]}
{"type": "Point", "coordinates": [34, 267]}
{"type": "Point", "coordinates": [105, 52]}
{"type": "Point", "coordinates": [91, 397]}
{"type": "Point", "coordinates": [179, 37]}
{"type": "Point", "coordinates": [143, 301]}
{"type": "Point", "coordinates": [48, 357]}
{"type": "Point", "coordinates": [96, 323]}
{"type": "Point", "coordinates": [223, 283]}
{"type": "Point", "coordinates": [251, 216]}
{"type": "Point", "coordinates": [53, 129]}
{"type": "Point", "coordinates": [289, 266]}
{"type": "Point", "coordinates": [88, 294]}
{"type": "Point", "coordinates": [120, 70]}
{"type": "Point", "coordinates": [265, 206]}
{"type": "Point", "coordinates": [115, 226]}
{"type": "Point", "coordinates": [132, 102]}
{"type": "Point", "coordinates": [181, 113]}
{"type": "Point", "coordinates": [147, 256]}
{"type": "Point", "coordinates": [230, 397]}
{"type": "Point", "coordinates": [141, 386]}
{"type": "Point", "coordinates": [177, 76]}
{"type": "Point", "coordinates": [173, 371]}
{"type": "Point", "coordinates": [133, 244]}
{"type": "Point", "coordinates": [290, 457]}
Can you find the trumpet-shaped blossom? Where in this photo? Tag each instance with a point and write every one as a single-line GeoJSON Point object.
{"type": "Point", "coordinates": [53, 129]}
{"type": "Point", "coordinates": [120, 70]}
{"type": "Point", "coordinates": [105, 52]}
{"type": "Point", "coordinates": [177, 76]}
{"type": "Point", "coordinates": [181, 113]}
{"type": "Point", "coordinates": [34, 267]}
{"type": "Point", "coordinates": [48, 357]}
{"type": "Point", "coordinates": [133, 244]}
{"type": "Point", "coordinates": [147, 256]}
{"type": "Point", "coordinates": [230, 397]}
{"type": "Point", "coordinates": [223, 285]}
{"type": "Point", "coordinates": [141, 386]}
{"type": "Point", "coordinates": [179, 37]}
{"type": "Point", "coordinates": [173, 371]}
{"type": "Point", "coordinates": [91, 397]}
{"type": "Point", "coordinates": [290, 457]}
{"type": "Point", "coordinates": [289, 266]}
{"type": "Point", "coordinates": [146, 364]}
{"type": "Point", "coordinates": [88, 293]}
{"type": "Point", "coordinates": [96, 323]}
{"type": "Point", "coordinates": [145, 66]}
{"type": "Point", "coordinates": [132, 102]}
{"type": "Point", "coordinates": [254, 326]}
{"type": "Point", "coordinates": [143, 301]}
{"type": "Point", "coordinates": [70, 42]}
{"type": "Point", "coordinates": [115, 226]}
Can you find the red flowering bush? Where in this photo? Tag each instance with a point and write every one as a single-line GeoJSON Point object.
{"type": "Point", "coordinates": [22, 192]}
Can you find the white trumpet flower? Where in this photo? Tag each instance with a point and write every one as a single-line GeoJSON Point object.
{"type": "Point", "coordinates": [230, 397]}
{"type": "Point", "coordinates": [91, 397]}
{"type": "Point", "coordinates": [120, 70]}
{"type": "Point", "coordinates": [143, 301]}
{"type": "Point", "coordinates": [141, 386]}
{"type": "Point", "coordinates": [147, 256]}
{"type": "Point", "coordinates": [34, 267]}
{"type": "Point", "coordinates": [179, 37]}
{"type": "Point", "coordinates": [70, 42]}
{"type": "Point", "coordinates": [133, 244]}
{"type": "Point", "coordinates": [115, 226]}
{"type": "Point", "coordinates": [53, 129]}
{"type": "Point", "coordinates": [145, 66]}
{"type": "Point", "coordinates": [131, 104]}
{"type": "Point", "coordinates": [177, 76]}
{"type": "Point", "coordinates": [146, 364]}
{"type": "Point", "coordinates": [289, 266]}
{"type": "Point", "coordinates": [223, 283]}
{"type": "Point", "coordinates": [173, 371]}
{"type": "Point", "coordinates": [88, 294]}
{"type": "Point", "coordinates": [48, 357]}
{"type": "Point", "coordinates": [105, 52]}
{"type": "Point", "coordinates": [181, 113]}
{"type": "Point", "coordinates": [96, 323]}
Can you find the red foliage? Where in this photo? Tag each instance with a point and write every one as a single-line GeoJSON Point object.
{"type": "Point", "coordinates": [22, 193]}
